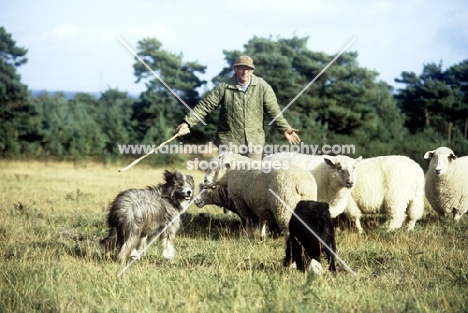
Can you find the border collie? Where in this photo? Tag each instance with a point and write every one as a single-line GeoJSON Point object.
{"type": "Point", "coordinates": [138, 215]}
{"type": "Point", "coordinates": [302, 247]}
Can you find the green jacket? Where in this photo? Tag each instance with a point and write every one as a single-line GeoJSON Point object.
{"type": "Point", "coordinates": [241, 114]}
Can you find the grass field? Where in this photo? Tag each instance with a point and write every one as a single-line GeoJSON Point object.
{"type": "Point", "coordinates": [51, 216]}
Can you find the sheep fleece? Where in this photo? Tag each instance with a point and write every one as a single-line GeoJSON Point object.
{"type": "Point", "coordinates": [393, 185]}
{"type": "Point", "coordinates": [249, 191]}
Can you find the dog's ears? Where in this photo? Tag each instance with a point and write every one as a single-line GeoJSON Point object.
{"type": "Point", "coordinates": [178, 175]}
{"type": "Point", "coordinates": [172, 176]}
{"type": "Point", "coordinates": [169, 176]}
{"type": "Point", "coordinates": [190, 179]}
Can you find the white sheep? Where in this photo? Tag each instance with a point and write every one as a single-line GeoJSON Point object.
{"type": "Point", "coordinates": [250, 189]}
{"type": "Point", "coordinates": [391, 185]}
{"type": "Point", "coordinates": [446, 188]}
{"type": "Point", "coordinates": [334, 175]}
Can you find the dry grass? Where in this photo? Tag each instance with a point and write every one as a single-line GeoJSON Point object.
{"type": "Point", "coordinates": [51, 216]}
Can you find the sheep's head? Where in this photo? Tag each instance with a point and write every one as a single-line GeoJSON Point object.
{"type": "Point", "coordinates": [345, 168]}
{"type": "Point", "coordinates": [440, 160]}
{"type": "Point", "coordinates": [219, 165]}
{"type": "Point", "coordinates": [204, 198]}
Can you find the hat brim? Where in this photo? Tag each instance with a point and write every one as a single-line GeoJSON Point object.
{"type": "Point", "coordinates": [244, 64]}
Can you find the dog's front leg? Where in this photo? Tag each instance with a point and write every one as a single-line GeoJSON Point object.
{"type": "Point", "coordinates": [167, 244]}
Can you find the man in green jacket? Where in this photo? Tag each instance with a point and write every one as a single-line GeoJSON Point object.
{"type": "Point", "coordinates": [244, 99]}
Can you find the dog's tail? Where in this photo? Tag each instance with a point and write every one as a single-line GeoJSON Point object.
{"type": "Point", "coordinates": [110, 242]}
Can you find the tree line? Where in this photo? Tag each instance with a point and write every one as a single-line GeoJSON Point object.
{"type": "Point", "coordinates": [347, 104]}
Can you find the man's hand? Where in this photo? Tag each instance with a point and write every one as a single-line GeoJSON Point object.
{"type": "Point", "coordinates": [182, 129]}
{"type": "Point", "coordinates": [291, 136]}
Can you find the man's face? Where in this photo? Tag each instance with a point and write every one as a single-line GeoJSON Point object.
{"type": "Point", "coordinates": [243, 73]}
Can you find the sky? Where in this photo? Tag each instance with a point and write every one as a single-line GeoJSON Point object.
{"type": "Point", "coordinates": [75, 45]}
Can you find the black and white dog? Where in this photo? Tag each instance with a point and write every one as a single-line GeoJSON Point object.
{"type": "Point", "coordinates": [137, 215]}
{"type": "Point", "coordinates": [302, 247]}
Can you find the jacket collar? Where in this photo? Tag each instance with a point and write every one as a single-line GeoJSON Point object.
{"type": "Point", "coordinates": [232, 82]}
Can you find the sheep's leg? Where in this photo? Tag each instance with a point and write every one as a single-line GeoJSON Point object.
{"type": "Point", "coordinates": [456, 215]}
{"type": "Point", "coordinates": [357, 222]}
{"type": "Point", "coordinates": [397, 215]}
{"type": "Point", "coordinates": [395, 223]}
{"type": "Point", "coordinates": [249, 226]}
{"type": "Point", "coordinates": [354, 213]}
{"type": "Point", "coordinates": [410, 224]}
{"type": "Point", "coordinates": [415, 210]}
{"type": "Point", "coordinates": [283, 223]}
{"type": "Point", "coordinates": [288, 260]}
{"type": "Point", "coordinates": [263, 228]}
{"type": "Point", "coordinates": [246, 213]}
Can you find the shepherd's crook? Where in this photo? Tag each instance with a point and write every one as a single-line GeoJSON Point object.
{"type": "Point", "coordinates": [182, 132]}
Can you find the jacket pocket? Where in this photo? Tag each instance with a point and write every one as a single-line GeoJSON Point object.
{"type": "Point", "coordinates": [223, 138]}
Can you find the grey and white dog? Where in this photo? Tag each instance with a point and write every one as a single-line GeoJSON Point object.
{"type": "Point", "coordinates": [137, 215]}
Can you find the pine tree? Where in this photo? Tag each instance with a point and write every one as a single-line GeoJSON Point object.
{"type": "Point", "coordinates": [18, 122]}
{"type": "Point", "coordinates": [426, 99]}
{"type": "Point", "coordinates": [115, 110]}
{"type": "Point", "coordinates": [158, 111]}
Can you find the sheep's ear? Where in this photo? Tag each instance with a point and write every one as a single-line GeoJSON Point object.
{"type": "Point", "coordinates": [329, 161]}
{"type": "Point", "coordinates": [429, 154]}
{"type": "Point", "coordinates": [452, 156]}
{"type": "Point", "coordinates": [359, 159]}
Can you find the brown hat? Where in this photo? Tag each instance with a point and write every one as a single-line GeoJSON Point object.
{"type": "Point", "coordinates": [244, 60]}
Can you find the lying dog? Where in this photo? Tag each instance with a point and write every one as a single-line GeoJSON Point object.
{"type": "Point", "coordinates": [302, 247]}
{"type": "Point", "coordinates": [137, 215]}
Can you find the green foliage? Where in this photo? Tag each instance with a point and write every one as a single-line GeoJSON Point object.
{"type": "Point", "coordinates": [436, 107]}
{"type": "Point", "coordinates": [158, 110]}
{"type": "Point", "coordinates": [346, 104]}
{"type": "Point", "coordinates": [114, 116]}
{"type": "Point", "coordinates": [436, 99]}
{"type": "Point", "coordinates": [70, 128]}
{"type": "Point", "coordinates": [17, 117]}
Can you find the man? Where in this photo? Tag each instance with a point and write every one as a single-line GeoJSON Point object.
{"type": "Point", "coordinates": [244, 99]}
